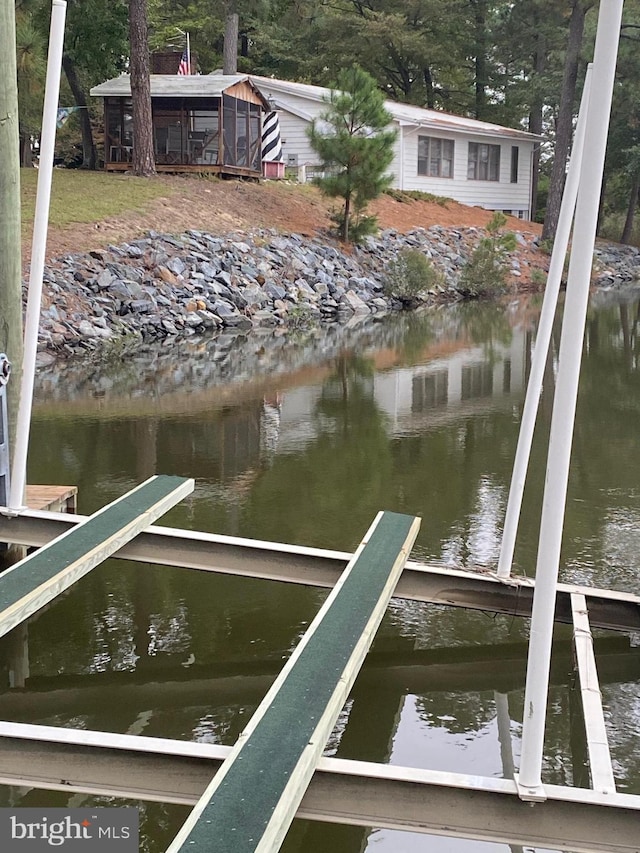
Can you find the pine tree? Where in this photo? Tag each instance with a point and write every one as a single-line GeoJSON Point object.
{"type": "Point", "coordinates": [355, 146]}
{"type": "Point", "coordinates": [144, 163]}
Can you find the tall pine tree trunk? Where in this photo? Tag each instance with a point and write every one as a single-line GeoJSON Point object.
{"type": "Point", "coordinates": [565, 117]}
{"type": "Point", "coordinates": [535, 114]}
{"type": "Point", "coordinates": [481, 82]}
{"type": "Point", "coordinates": [88, 145]}
{"type": "Point", "coordinates": [429, 88]}
{"type": "Point", "coordinates": [627, 231]}
{"type": "Point", "coordinates": [230, 49]}
{"type": "Point", "coordinates": [347, 217]}
{"type": "Point", "coordinates": [144, 163]}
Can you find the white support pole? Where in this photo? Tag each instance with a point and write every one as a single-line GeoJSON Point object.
{"type": "Point", "coordinates": [543, 338]}
{"type": "Point", "coordinates": [189, 55]}
{"type": "Point", "coordinates": [564, 405]}
{"type": "Point", "coordinates": [38, 247]}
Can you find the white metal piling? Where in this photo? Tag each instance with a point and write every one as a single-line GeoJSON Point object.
{"type": "Point", "coordinates": [564, 406]}
{"type": "Point", "coordinates": [39, 243]}
{"type": "Point", "coordinates": [543, 338]}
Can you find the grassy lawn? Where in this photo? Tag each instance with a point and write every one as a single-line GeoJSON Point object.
{"type": "Point", "coordinates": [80, 196]}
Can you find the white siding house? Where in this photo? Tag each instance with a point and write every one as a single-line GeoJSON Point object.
{"type": "Point", "coordinates": [471, 161]}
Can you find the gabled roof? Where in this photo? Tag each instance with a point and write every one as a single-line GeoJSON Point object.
{"type": "Point", "coordinates": [404, 114]}
{"type": "Point", "coordinates": [177, 85]}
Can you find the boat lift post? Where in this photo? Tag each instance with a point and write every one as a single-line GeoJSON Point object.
{"type": "Point", "coordinates": [5, 373]}
{"type": "Point", "coordinates": [543, 339]}
{"type": "Point", "coordinates": [564, 405]}
{"type": "Point", "coordinates": [38, 247]}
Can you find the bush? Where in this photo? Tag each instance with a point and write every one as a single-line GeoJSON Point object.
{"type": "Point", "coordinates": [408, 275]}
{"type": "Point", "coordinates": [486, 273]}
{"type": "Point", "coordinates": [538, 277]}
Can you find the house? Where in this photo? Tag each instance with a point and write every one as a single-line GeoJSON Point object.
{"type": "Point", "coordinates": [213, 123]}
{"type": "Point", "coordinates": [202, 123]}
{"type": "Point", "coordinates": [471, 161]}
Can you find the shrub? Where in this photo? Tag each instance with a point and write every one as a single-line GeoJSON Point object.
{"type": "Point", "coordinates": [486, 273]}
{"type": "Point", "coordinates": [300, 316]}
{"type": "Point", "coordinates": [408, 275]}
{"type": "Point", "coordinates": [538, 277]}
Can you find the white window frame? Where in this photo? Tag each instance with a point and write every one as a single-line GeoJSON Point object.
{"type": "Point", "coordinates": [483, 162]}
{"type": "Point", "coordinates": [431, 165]}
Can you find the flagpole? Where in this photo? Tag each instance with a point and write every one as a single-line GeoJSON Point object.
{"type": "Point", "coordinates": [189, 55]}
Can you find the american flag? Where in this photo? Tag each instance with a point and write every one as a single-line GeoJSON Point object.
{"type": "Point", "coordinates": [183, 68]}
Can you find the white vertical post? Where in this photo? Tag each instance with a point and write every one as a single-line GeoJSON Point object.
{"type": "Point", "coordinates": [38, 247]}
{"type": "Point", "coordinates": [564, 405]}
{"type": "Point", "coordinates": [534, 385]}
{"type": "Point", "coordinates": [189, 55]}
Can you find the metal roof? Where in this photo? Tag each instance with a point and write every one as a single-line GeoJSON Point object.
{"type": "Point", "coordinates": [175, 85]}
{"type": "Point", "coordinates": [214, 85]}
{"type": "Point", "coordinates": [402, 113]}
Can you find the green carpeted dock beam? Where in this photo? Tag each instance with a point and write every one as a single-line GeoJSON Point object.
{"type": "Point", "coordinates": [253, 798]}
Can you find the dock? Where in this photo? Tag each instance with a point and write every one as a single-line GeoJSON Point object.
{"type": "Point", "coordinates": [53, 498]}
{"type": "Point", "coordinates": [350, 792]}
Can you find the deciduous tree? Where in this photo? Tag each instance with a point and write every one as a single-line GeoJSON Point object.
{"type": "Point", "coordinates": [95, 48]}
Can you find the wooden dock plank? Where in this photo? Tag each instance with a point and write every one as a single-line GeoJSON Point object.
{"type": "Point", "coordinates": [52, 498]}
{"type": "Point", "coordinates": [602, 778]}
{"type": "Point", "coordinates": [37, 579]}
{"type": "Point", "coordinates": [251, 802]}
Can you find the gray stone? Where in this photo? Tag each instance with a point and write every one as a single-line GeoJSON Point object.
{"type": "Point", "coordinates": [224, 278]}
{"type": "Point", "coordinates": [105, 279]}
{"type": "Point", "coordinates": [274, 291]}
{"type": "Point", "coordinates": [353, 301]}
{"type": "Point", "coordinates": [176, 265]}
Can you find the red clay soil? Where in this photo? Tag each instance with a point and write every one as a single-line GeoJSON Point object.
{"type": "Point", "coordinates": [221, 207]}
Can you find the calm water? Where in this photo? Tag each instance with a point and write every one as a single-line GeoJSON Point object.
{"type": "Point", "coordinates": [303, 441]}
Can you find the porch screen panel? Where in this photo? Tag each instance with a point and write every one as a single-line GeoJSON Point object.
{"type": "Point", "coordinates": [170, 123]}
{"type": "Point", "coordinates": [119, 141]}
{"type": "Point", "coordinates": [255, 137]}
{"type": "Point", "coordinates": [229, 131]}
{"type": "Point", "coordinates": [242, 133]}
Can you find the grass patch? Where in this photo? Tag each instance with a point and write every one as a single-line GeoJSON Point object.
{"type": "Point", "coordinates": [417, 195]}
{"type": "Point", "coordinates": [81, 196]}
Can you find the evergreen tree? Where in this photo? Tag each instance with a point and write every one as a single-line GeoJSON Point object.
{"type": "Point", "coordinates": [564, 124]}
{"type": "Point", "coordinates": [356, 148]}
{"type": "Point", "coordinates": [31, 71]}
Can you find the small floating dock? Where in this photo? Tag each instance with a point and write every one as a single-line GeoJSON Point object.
{"type": "Point", "coordinates": [53, 498]}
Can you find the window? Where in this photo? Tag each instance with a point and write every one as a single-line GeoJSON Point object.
{"type": "Point", "coordinates": [515, 151]}
{"type": "Point", "coordinates": [435, 157]}
{"type": "Point", "coordinates": [484, 162]}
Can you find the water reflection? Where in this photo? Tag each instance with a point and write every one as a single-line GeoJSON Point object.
{"type": "Point", "coordinates": [305, 443]}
